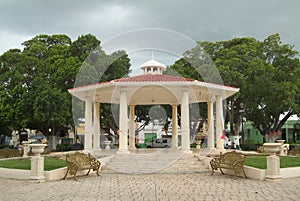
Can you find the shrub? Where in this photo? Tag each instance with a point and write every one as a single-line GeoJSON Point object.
{"type": "Point", "coordinates": [193, 145]}
{"type": "Point", "coordinates": [8, 153]}
{"type": "Point", "coordinates": [3, 146]}
{"type": "Point", "coordinates": [249, 145]}
{"type": "Point", "coordinates": [292, 146]}
{"type": "Point", "coordinates": [63, 147]}
{"type": "Point", "coordinates": [68, 147]}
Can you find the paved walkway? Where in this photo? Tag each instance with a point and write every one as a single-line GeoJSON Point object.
{"type": "Point", "coordinates": [159, 186]}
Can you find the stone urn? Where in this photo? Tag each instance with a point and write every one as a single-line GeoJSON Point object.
{"type": "Point", "coordinates": [107, 144]}
{"type": "Point", "coordinates": [26, 148]}
{"type": "Point", "coordinates": [273, 161]}
{"type": "Point", "coordinates": [280, 141]}
{"type": "Point", "coordinates": [272, 148]}
{"type": "Point", "coordinates": [37, 149]}
{"type": "Point", "coordinates": [37, 163]}
{"type": "Point", "coordinates": [198, 140]}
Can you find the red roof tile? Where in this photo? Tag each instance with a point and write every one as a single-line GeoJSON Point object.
{"type": "Point", "coordinates": [154, 78]}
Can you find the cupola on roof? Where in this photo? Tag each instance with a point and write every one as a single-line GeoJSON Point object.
{"type": "Point", "coordinates": [153, 67]}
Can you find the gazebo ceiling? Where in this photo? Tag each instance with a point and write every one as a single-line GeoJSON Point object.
{"type": "Point", "coordinates": [150, 89]}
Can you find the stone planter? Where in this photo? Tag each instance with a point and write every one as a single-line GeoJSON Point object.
{"type": "Point", "coordinates": [37, 149]}
{"type": "Point", "coordinates": [107, 144]}
{"type": "Point", "coordinates": [280, 141]}
{"type": "Point", "coordinates": [37, 163]}
{"type": "Point", "coordinates": [198, 142]}
{"type": "Point", "coordinates": [26, 148]}
{"type": "Point", "coordinates": [284, 148]}
{"type": "Point", "coordinates": [271, 148]}
{"type": "Point", "coordinates": [273, 161]}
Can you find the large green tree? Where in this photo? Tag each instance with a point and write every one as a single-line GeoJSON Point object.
{"type": "Point", "coordinates": [100, 67]}
{"type": "Point", "coordinates": [274, 86]}
{"type": "Point", "coordinates": [233, 59]}
{"type": "Point", "coordinates": [267, 73]}
{"type": "Point", "coordinates": [34, 82]}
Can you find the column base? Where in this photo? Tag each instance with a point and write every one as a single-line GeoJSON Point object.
{"type": "Point", "coordinates": [88, 150]}
{"type": "Point", "coordinates": [174, 148]}
{"type": "Point", "coordinates": [186, 151]}
{"type": "Point", "coordinates": [37, 179]}
{"type": "Point", "coordinates": [214, 152]}
{"type": "Point", "coordinates": [221, 149]}
{"type": "Point", "coordinates": [273, 177]}
{"type": "Point", "coordinates": [123, 152]}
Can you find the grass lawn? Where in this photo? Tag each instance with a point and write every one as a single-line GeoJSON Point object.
{"type": "Point", "coordinates": [24, 164]}
{"type": "Point", "coordinates": [261, 161]}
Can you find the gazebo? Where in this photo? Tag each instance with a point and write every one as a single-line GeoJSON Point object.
{"type": "Point", "coordinates": [153, 88]}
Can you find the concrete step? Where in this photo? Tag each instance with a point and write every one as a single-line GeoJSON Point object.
{"type": "Point", "coordinates": [164, 161]}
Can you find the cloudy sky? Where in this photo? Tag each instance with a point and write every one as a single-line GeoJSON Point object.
{"type": "Point", "coordinates": [200, 20]}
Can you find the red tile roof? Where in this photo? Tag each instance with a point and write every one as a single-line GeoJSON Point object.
{"type": "Point", "coordinates": [154, 78]}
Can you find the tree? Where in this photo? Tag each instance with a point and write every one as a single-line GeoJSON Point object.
{"type": "Point", "coordinates": [83, 46]}
{"type": "Point", "coordinates": [233, 58]}
{"type": "Point", "coordinates": [265, 72]}
{"type": "Point", "coordinates": [34, 84]}
{"type": "Point", "coordinates": [51, 110]}
{"type": "Point", "coordinates": [99, 67]}
{"type": "Point", "coordinates": [278, 79]}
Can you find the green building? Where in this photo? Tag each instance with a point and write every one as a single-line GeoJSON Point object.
{"type": "Point", "coordinates": [288, 132]}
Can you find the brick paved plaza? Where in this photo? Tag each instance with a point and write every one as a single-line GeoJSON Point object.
{"type": "Point", "coordinates": [116, 186]}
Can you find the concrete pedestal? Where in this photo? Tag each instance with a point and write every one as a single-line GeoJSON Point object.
{"type": "Point", "coordinates": [37, 169]}
{"type": "Point", "coordinates": [37, 163]}
{"type": "Point", "coordinates": [273, 167]}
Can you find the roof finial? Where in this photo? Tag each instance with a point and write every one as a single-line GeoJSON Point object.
{"type": "Point", "coordinates": [152, 55]}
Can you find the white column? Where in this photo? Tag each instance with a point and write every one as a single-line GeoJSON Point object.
{"type": "Point", "coordinates": [88, 124]}
{"type": "Point", "coordinates": [185, 121]}
{"type": "Point", "coordinates": [210, 121]}
{"type": "Point", "coordinates": [123, 123]}
{"type": "Point", "coordinates": [96, 134]}
{"type": "Point", "coordinates": [131, 128]}
{"type": "Point", "coordinates": [174, 127]}
{"type": "Point", "coordinates": [219, 124]}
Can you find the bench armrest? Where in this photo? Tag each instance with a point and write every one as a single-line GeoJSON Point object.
{"type": "Point", "coordinates": [215, 163]}
{"type": "Point", "coordinates": [95, 164]}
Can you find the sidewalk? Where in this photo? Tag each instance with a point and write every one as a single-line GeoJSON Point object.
{"type": "Point", "coordinates": [159, 186]}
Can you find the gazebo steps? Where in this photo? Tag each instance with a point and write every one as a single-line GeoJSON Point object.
{"type": "Point", "coordinates": [163, 162]}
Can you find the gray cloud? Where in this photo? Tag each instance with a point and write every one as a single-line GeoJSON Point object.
{"type": "Point", "coordinates": [200, 20]}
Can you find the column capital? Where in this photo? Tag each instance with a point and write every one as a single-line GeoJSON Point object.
{"type": "Point", "coordinates": [87, 98]}
{"type": "Point", "coordinates": [123, 89]}
{"type": "Point", "coordinates": [185, 89]}
{"type": "Point", "coordinates": [212, 98]}
{"type": "Point", "coordinates": [219, 96]}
